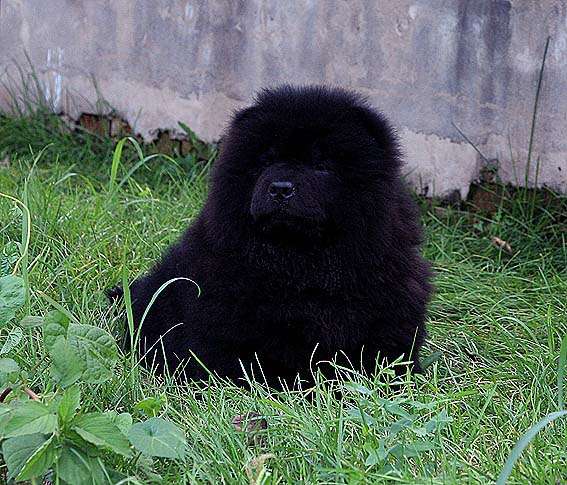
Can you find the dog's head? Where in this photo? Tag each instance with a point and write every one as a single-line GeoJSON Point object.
{"type": "Point", "coordinates": [294, 198]}
{"type": "Point", "coordinates": [304, 166]}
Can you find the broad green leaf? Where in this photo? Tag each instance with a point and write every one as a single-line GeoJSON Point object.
{"type": "Point", "coordinates": [158, 437]}
{"type": "Point", "coordinates": [420, 431]}
{"type": "Point", "coordinates": [69, 404]}
{"type": "Point", "coordinates": [79, 443]}
{"type": "Point", "coordinates": [55, 325]}
{"type": "Point", "coordinates": [66, 366]}
{"type": "Point", "coordinates": [9, 369]}
{"type": "Point", "coordinates": [4, 409]}
{"type": "Point", "coordinates": [354, 386]}
{"type": "Point", "coordinates": [400, 425]}
{"type": "Point", "coordinates": [381, 451]}
{"type": "Point", "coordinates": [29, 417]}
{"type": "Point", "coordinates": [430, 360]}
{"type": "Point", "coordinates": [12, 297]}
{"type": "Point", "coordinates": [76, 468]}
{"type": "Point", "coordinates": [96, 348]}
{"type": "Point", "coordinates": [4, 416]}
{"type": "Point", "coordinates": [377, 455]}
{"type": "Point", "coordinates": [411, 450]}
{"type": "Point", "coordinates": [73, 466]}
{"type": "Point", "coordinates": [31, 321]}
{"type": "Point", "coordinates": [122, 420]}
{"type": "Point", "coordinates": [430, 406]}
{"type": "Point", "coordinates": [18, 451]}
{"type": "Point", "coordinates": [12, 340]}
{"type": "Point", "coordinates": [98, 429]}
{"type": "Point", "coordinates": [372, 459]}
{"type": "Point", "coordinates": [361, 416]}
{"type": "Point", "coordinates": [8, 366]}
{"type": "Point", "coordinates": [395, 408]}
{"type": "Point", "coordinates": [78, 350]}
{"type": "Point", "coordinates": [39, 463]}
{"type": "Point", "coordinates": [151, 406]}
{"type": "Point", "coordinates": [386, 470]}
{"type": "Point", "coordinates": [438, 422]}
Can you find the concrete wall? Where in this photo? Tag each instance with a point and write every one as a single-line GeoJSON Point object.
{"type": "Point", "coordinates": [428, 64]}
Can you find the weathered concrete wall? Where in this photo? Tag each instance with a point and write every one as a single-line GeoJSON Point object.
{"type": "Point", "coordinates": [428, 64]}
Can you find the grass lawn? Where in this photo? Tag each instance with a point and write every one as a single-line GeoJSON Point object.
{"type": "Point", "coordinates": [496, 325]}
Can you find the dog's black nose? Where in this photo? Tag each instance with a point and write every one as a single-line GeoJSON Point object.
{"type": "Point", "coordinates": [281, 190]}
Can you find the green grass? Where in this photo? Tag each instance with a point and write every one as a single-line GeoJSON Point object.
{"type": "Point", "coordinates": [497, 321]}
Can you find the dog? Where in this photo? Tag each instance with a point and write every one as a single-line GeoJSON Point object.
{"type": "Point", "coordinates": [307, 249]}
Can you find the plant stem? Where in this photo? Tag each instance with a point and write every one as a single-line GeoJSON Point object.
{"type": "Point", "coordinates": [31, 394]}
{"type": "Point", "coordinates": [534, 118]}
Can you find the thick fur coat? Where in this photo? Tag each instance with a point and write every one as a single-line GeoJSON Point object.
{"type": "Point", "coordinates": [308, 240]}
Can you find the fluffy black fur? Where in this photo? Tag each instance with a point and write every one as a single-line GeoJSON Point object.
{"type": "Point", "coordinates": [308, 238]}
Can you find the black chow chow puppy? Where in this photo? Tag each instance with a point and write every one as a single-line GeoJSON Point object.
{"type": "Point", "coordinates": [308, 240]}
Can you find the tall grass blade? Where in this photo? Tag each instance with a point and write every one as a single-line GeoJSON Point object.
{"type": "Point", "coordinates": [137, 335]}
{"type": "Point", "coordinates": [142, 162]}
{"type": "Point", "coordinates": [534, 114]}
{"type": "Point", "coordinates": [523, 443]}
{"type": "Point", "coordinates": [59, 307]}
{"type": "Point", "coordinates": [469, 141]}
{"type": "Point", "coordinates": [127, 299]}
{"type": "Point", "coordinates": [116, 158]}
{"type": "Point", "coordinates": [26, 230]}
{"type": "Point", "coordinates": [160, 289]}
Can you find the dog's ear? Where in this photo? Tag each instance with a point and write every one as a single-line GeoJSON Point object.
{"type": "Point", "coordinates": [244, 115]}
{"type": "Point", "coordinates": [386, 138]}
{"type": "Point", "coordinates": [115, 294]}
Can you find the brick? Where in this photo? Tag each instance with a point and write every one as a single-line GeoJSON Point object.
{"type": "Point", "coordinates": [119, 128]}
{"type": "Point", "coordinates": [97, 124]}
{"type": "Point", "coordinates": [164, 144]}
{"type": "Point", "coordinates": [186, 147]}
